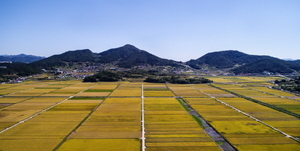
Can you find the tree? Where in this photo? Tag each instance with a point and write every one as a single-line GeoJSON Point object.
{"type": "Point", "coordinates": [90, 79]}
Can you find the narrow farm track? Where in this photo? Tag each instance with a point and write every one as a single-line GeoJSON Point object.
{"type": "Point", "coordinates": [285, 134]}
{"type": "Point", "coordinates": [143, 120]}
{"type": "Point", "coordinates": [224, 144]}
{"type": "Point", "coordinates": [220, 141]}
{"type": "Point", "coordinates": [115, 124]}
{"type": "Point", "coordinates": [43, 111]}
{"type": "Point", "coordinates": [73, 131]}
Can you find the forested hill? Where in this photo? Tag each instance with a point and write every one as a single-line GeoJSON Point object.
{"type": "Point", "coordinates": [295, 62]}
{"type": "Point", "coordinates": [129, 56]}
{"type": "Point", "coordinates": [20, 58]}
{"type": "Point", "coordinates": [267, 64]}
{"type": "Point", "coordinates": [126, 56]}
{"type": "Point", "coordinates": [239, 62]}
{"type": "Point", "coordinates": [224, 59]}
{"type": "Point", "coordinates": [63, 59]}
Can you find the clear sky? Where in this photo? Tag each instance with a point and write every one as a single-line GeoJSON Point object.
{"type": "Point", "coordinates": [171, 29]}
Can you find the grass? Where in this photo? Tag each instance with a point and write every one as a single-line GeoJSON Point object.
{"type": "Point", "coordinates": [183, 105]}
{"type": "Point", "coordinates": [198, 121]}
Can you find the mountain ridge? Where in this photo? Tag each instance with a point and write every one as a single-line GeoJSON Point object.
{"type": "Point", "coordinates": [273, 65]}
{"type": "Point", "coordinates": [129, 56]}
{"type": "Point", "coordinates": [126, 56]}
{"type": "Point", "coordinates": [21, 58]}
{"type": "Point", "coordinates": [223, 59]}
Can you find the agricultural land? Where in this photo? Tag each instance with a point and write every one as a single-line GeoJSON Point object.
{"type": "Point", "coordinates": [232, 113]}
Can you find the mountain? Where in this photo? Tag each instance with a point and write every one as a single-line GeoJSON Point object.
{"type": "Point", "coordinates": [239, 62]}
{"type": "Point", "coordinates": [63, 59]}
{"type": "Point", "coordinates": [20, 58]}
{"type": "Point", "coordinates": [17, 69]}
{"type": "Point", "coordinates": [267, 64]}
{"type": "Point", "coordinates": [295, 62]}
{"type": "Point", "coordinates": [223, 59]}
{"type": "Point", "coordinates": [129, 56]}
{"type": "Point", "coordinates": [126, 56]}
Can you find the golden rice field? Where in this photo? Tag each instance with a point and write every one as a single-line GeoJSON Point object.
{"type": "Point", "coordinates": [219, 79]}
{"type": "Point", "coordinates": [272, 91]}
{"type": "Point", "coordinates": [75, 116]}
{"type": "Point", "coordinates": [185, 91]}
{"type": "Point", "coordinates": [239, 129]}
{"type": "Point", "coordinates": [169, 127]}
{"type": "Point", "coordinates": [244, 91]}
{"type": "Point", "coordinates": [288, 104]}
{"type": "Point", "coordinates": [125, 92]}
{"type": "Point", "coordinates": [274, 97]}
{"type": "Point", "coordinates": [212, 91]}
{"type": "Point", "coordinates": [101, 144]}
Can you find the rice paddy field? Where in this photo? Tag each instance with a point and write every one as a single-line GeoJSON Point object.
{"type": "Point", "coordinates": [266, 95]}
{"type": "Point", "coordinates": [170, 127]}
{"type": "Point", "coordinates": [241, 131]}
{"type": "Point", "coordinates": [76, 116]}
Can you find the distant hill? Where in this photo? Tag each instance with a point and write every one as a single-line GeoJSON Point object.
{"type": "Point", "coordinates": [17, 69]}
{"type": "Point", "coordinates": [20, 58]}
{"type": "Point", "coordinates": [295, 62]}
{"type": "Point", "coordinates": [63, 59]}
{"type": "Point", "coordinates": [267, 64]}
{"type": "Point", "coordinates": [129, 56]}
{"type": "Point", "coordinates": [126, 56]}
{"type": "Point", "coordinates": [223, 59]}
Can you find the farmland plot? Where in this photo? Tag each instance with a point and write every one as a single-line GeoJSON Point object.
{"type": "Point", "coordinates": [47, 130]}
{"type": "Point", "coordinates": [100, 90]}
{"type": "Point", "coordinates": [272, 91]}
{"type": "Point", "coordinates": [219, 79]}
{"type": "Point", "coordinates": [17, 112]}
{"type": "Point", "coordinates": [107, 116]}
{"type": "Point", "coordinates": [287, 104]}
{"type": "Point", "coordinates": [10, 89]}
{"type": "Point", "coordinates": [170, 127]}
{"type": "Point", "coordinates": [212, 91]}
{"type": "Point", "coordinates": [185, 91]}
{"type": "Point", "coordinates": [244, 91]}
{"type": "Point", "coordinates": [241, 131]}
{"type": "Point", "coordinates": [156, 90]}
{"type": "Point", "coordinates": [69, 90]}
{"type": "Point", "coordinates": [125, 90]}
{"type": "Point", "coordinates": [116, 124]}
{"type": "Point", "coordinates": [279, 120]}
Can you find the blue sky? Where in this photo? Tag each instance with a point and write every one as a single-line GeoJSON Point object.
{"type": "Point", "coordinates": [172, 29]}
